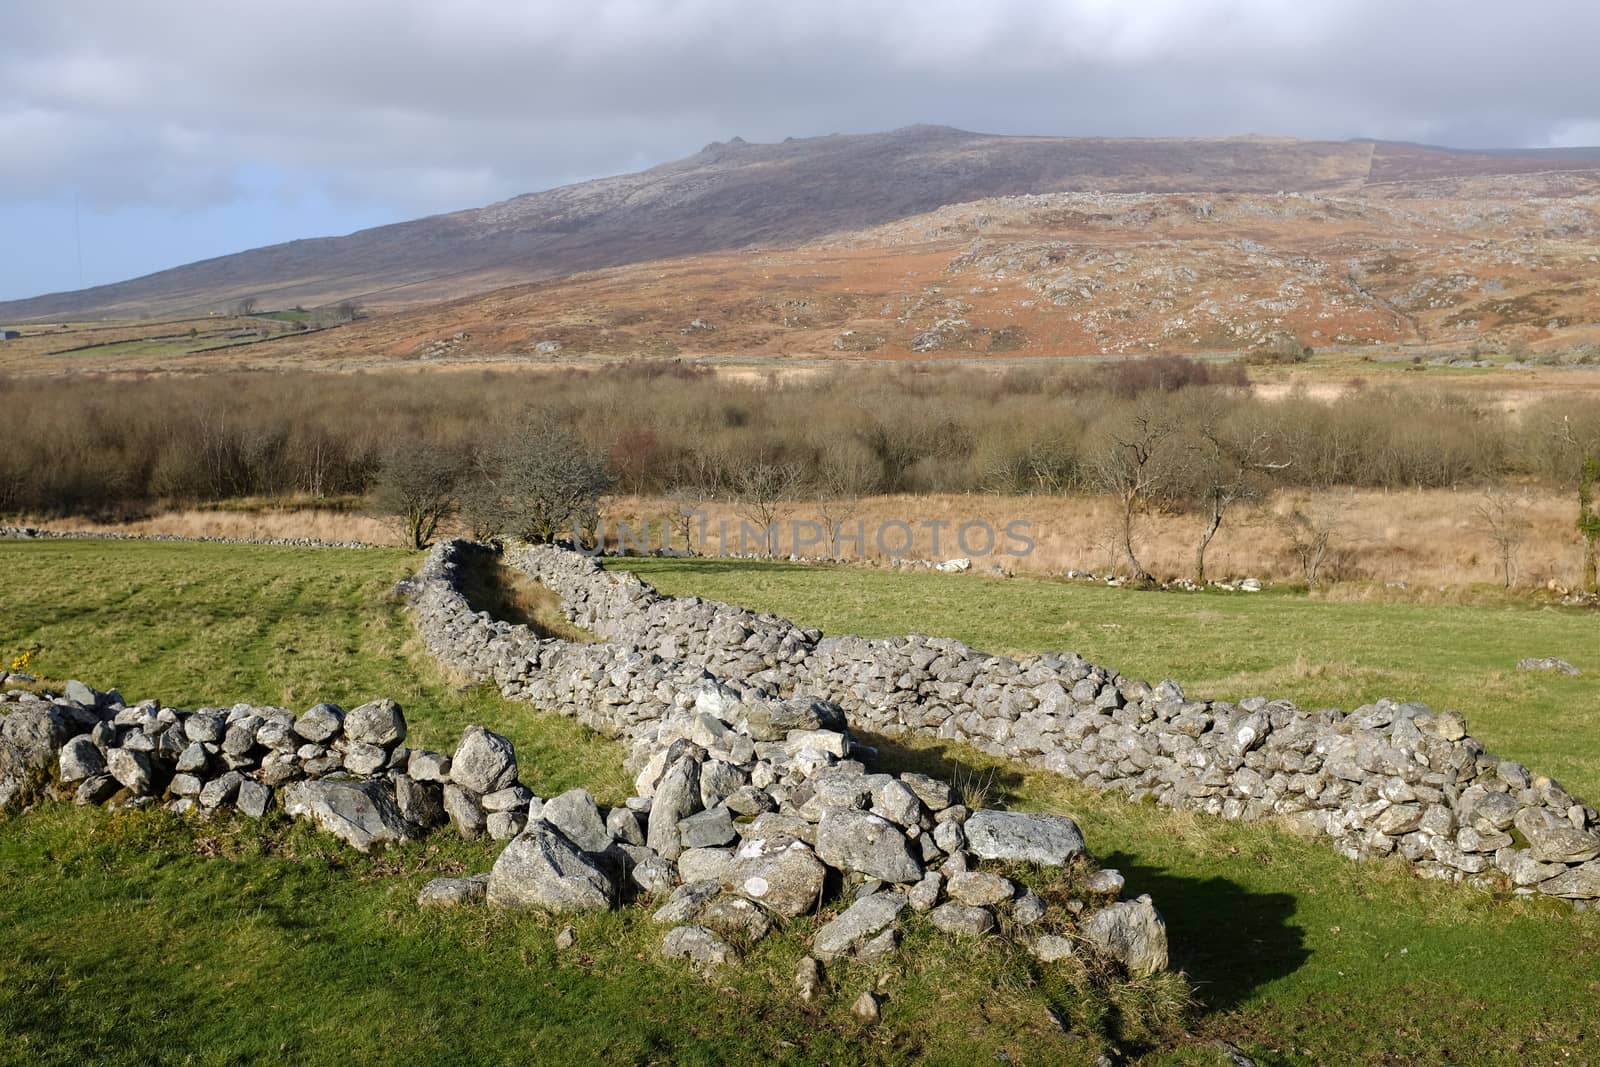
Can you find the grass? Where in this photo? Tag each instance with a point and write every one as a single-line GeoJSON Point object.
{"type": "Point", "coordinates": [265, 942]}
{"type": "Point", "coordinates": [140, 937]}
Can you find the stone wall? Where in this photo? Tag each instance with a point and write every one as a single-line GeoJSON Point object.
{"type": "Point", "coordinates": [751, 801]}
{"type": "Point", "coordinates": [1387, 778]}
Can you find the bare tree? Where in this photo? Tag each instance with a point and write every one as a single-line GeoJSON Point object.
{"type": "Point", "coordinates": [762, 489]}
{"type": "Point", "coordinates": [846, 471]}
{"type": "Point", "coordinates": [1131, 464]}
{"type": "Point", "coordinates": [1502, 517]}
{"type": "Point", "coordinates": [687, 504]}
{"type": "Point", "coordinates": [418, 486]}
{"type": "Point", "coordinates": [1225, 463]}
{"type": "Point", "coordinates": [1588, 517]}
{"type": "Point", "coordinates": [1310, 531]}
{"type": "Point", "coordinates": [537, 482]}
{"type": "Point", "coordinates": [245, 306]}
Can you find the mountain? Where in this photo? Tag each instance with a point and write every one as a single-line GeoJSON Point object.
{"type": "Point", "coordinates": [737, 195]}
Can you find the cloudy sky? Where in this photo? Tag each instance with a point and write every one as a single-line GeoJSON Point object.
{"type": "Point", "coordinates": [167, 131]}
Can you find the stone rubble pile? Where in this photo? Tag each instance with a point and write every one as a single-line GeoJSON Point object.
{"type": "Point", "coordinates": [1389, 778]}
{"type": "Point", "coordinates": [753, 808]}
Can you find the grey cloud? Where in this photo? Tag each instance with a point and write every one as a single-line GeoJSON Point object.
{"type": "Point", "coordinates": [430, 105]}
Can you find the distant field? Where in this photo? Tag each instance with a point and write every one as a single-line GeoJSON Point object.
{"type": "Point", "coordinates": [137, 938]}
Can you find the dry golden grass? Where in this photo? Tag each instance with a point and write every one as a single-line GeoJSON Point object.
{"type": "Point", "coordinates": [1428, 539]}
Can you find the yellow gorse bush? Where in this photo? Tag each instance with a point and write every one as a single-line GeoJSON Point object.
{"type": "Point", "coordinates": [19, 663]}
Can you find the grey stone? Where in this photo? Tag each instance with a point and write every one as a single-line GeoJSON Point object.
{"type": "Point", "coordinates": [80, 759]}
{"type": "Point", "coordinates": [204, 728]}
{"type": "Point", "coordinates": [737, 918]}
{"type": "Point", "coordinates": [96, 790]}
{"type": "Point", "coordinates": [221, 790]}
{"type": "Point", "coordinates": [420, 803]}
{"type": "Point", "coordinates": [701, 864]}
{"type": "Point", "coordinates": [653, 876]}
{"type": "Point", "coordinates": [240, 736]}
{"type": "Point", "coordinates": [677, 796]}
{"type": "Point", "coordinates": [808, 980]}
{"type": "Point", "coordinates": [453, 892]}
{"type": "Point", "coordinates": [707, 829]}
{"type": "Point", "coordinates": [511, 798]}
{"type": "Point", "coordinates": [925, 894]}
{"type": "Point", "coordinates": [896, 802]}
{"type": "Point", "coordinates": [983, 888]}
{"type": "Point", "coordinates": [1028, 909]}
{"type": "Point", "coordinates": [186, 785]}
{"type": "Point", "coordinates": [577, 816]}
{"type": "Point", "coordinates": [1132, 933]}
{"type": "Point", "coordinates": [686, 902]}
{"type": "Point", "coordinates": [361, 814]}
{"type": "Point", "coordinates": [935, 794]}
{"type": "Point", "coordinates": [1051, 840]}
{"type": "Point", "coordinates": [962, 920]}
{"type": "Point", "coordinates": [464, 808]}
{"type": "Point", "coordinates": [253, 799]}
{"type": "Point", "coordinates": [193, 759]}
{"type": "Point", "coordinates": [623, 826]}
{"type": "Point", "coordinates": [484, 761]}
{"type": "Point", "coordinates": [1574, 883]}
{"type": "Point", "coordinates": [1050, 948]}
{"type": "Point", "coordinates": [698, 944]}
{"type": "Point", "coordinates": [427, 766]}
{"type": "Point", "coordinates": [131, 769]}
{"type": "Point", "coordinates": [505, 825]}
{"type": "Point", "coordinates": [540, 868]}
{"type": "Point", "coordinates": [779, 872]}
{"type": "Point", "coordinates": [865, 1008]}
{"type": "Point", "coordinates": [862, 842]}
{"type": "Point", "coordinates": [860, 921]}
{"type": "Point", "coordinates": [1106, 882]}
{"type": "Point", "coordinates": [320, 723]}
{"type": "Point", "coordinates": [377, 722]}
{"type": "Point", "coordinates": [364, 759]}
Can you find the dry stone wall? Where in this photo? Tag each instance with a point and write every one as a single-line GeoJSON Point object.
{"type": "Point", "coordinates": [1388, 778]}
{"type": "Point", "coordinates": [754, 805]}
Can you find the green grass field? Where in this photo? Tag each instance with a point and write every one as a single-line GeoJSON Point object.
{"type": "Point", "coordinates": [138, 937]}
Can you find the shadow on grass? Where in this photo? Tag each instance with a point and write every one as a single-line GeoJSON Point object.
{"type": "Point", "coordinates": [1229, 939]}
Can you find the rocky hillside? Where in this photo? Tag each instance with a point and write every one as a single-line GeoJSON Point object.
{"type": "Point", "coordinates": [1446, 263]}
{"type": "Point", "coordinates": [736, 195]}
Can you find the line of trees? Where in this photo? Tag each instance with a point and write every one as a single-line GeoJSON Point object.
{"type": "Point", "coordinates": [1169, 433]}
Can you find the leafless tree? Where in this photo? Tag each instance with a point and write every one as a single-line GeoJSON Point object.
{"type": "Point", "coordinates": [846, 471]}
{"type": "Point", "coordinates": [1503, 518]}
{"type": "Point", "coordinates": [762, 488]}
{"type": "Point", "coordinates": [245, 306]}
{"type": "Point", "coordinates": [1311, 531]}
{"type": "Point", "coordinates": [1225, 462]}
{"type": "Point", "coordinates": [1131, 462]}
{"type": "Point", "coordinates": [418, 486]}
{"type": "Point", "coordinates": [539, 481]}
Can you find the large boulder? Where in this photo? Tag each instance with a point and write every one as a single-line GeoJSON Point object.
{"type": "Point", "coordinates": [361, 814]}
{"type": "Point", "coordinates": [377, 722]}
{"type": "Point", "coordinates": [577, 816]}
{"type": "Point", "coordinates": [1131, 933]}
{"type": "Point", "coordinates": [862, 842]}
{"type": "Point", "coordinates": [1031, 838]}
{"type": "Point", "coordinates": [80, 759]}
{"type": "Point", "coordinates": [540, 868]}
{"type": "Point", "coordinates": [677, 796]}
{"type": "Point", "coordinates": [30, 738]}
{"type": "Point", "coordinates": [778, 871]}
{"type": "Point", "coordinates": [484, 761]}
{"type": "Point", "coordinates": [131, 768]}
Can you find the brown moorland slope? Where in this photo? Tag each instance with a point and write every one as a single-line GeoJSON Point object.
{"type": "Point", "coordinates": [737, 195]}
{"type": "Point", "coordinates": [1447, 264]}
